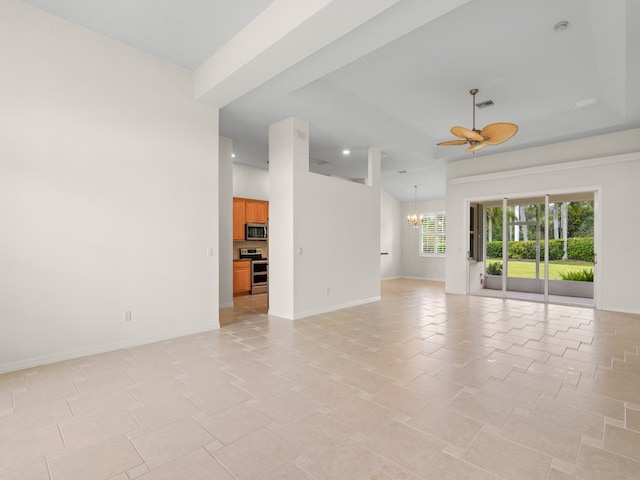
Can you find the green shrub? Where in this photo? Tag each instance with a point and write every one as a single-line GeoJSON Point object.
{"type": "Point", "coordinates": [580, 249]}
{"type": "Point", "coordinates": [529, 249]}
{"type": "Point", "coordinates": [516, 250]}
{"type": "Point", "coordinates": [494, 249]}
{"type": "Point", "coordinates": [583, 275]}
{"type": "Point", "coordinates": [494, 268]}
{"type": "Point", "coordinates": [577, 249]}
{"type": "Point", "coordinates": [556, 249]}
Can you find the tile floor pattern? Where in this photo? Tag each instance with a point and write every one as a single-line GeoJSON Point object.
{"type": "Point", "coordinates": [421, 385]}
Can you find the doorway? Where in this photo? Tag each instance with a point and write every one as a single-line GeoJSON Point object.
{"type": "Point", "coordinates": [539, 248]}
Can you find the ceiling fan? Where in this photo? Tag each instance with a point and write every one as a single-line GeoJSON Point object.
{"type": "Point", "coordinates": [492, 134]}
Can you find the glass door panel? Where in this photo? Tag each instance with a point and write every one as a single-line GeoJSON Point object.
{"type": "Point", "coordinates": [515, 233]}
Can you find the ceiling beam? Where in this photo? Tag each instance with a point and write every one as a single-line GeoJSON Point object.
{"type": "Point", "coordinates": [287, 32]}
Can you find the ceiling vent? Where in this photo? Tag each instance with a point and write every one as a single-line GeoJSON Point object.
{"type": "Point", "coordinates": [486, 104]}
{"type": "Point", "coordinates": [317, 161]}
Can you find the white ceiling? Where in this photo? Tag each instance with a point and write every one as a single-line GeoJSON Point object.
{"type": "Point", "coordinates": [401, 80]}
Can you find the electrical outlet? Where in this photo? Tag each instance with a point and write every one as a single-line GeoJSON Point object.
{"type": "Point", "coordinates": [127, 316]}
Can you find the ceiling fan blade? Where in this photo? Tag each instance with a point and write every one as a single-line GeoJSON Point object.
{"type": "Point", "coordinates": [452, 142]}
{"type": "Point", "coordinates": [466, 133]}
{"type": "Point", "coordinates": [497, 133]}
{"type": "Point", "coordinates": [477, 146]}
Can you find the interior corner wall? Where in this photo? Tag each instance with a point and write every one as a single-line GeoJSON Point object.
{"type": "Point", "coordinates": [324, 248]}
{"type": "Point", "coordinates": [108, 194]}
{"type": "Point", "coordinates": [250, 182]}
{"type": "Point", "coordinates": [575, 165]}
{"type": "Point", "coordinates": [225, 199]}
{"type": "Point", "coordinates": [415, 265]}
{"type": "Point", "coordinates": [339, 235]}
{"type": "Point", "coordinates": [391, 220]}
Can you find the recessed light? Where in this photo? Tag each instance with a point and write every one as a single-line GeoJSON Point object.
{"type": "Point", "coordinates": [346, 151]}
{"type": "Point", "coordinates": [560, 26]}
{"type": "Point", "coordinates": [233, 155]}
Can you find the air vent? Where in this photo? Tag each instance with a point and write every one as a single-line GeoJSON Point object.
{"type": "Point", "coordinates": [317, 161]}
{"type": "Point", "coordinates": [488, 103]}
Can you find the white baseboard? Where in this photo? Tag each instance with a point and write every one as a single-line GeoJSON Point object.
{"type": "Point", "coordinates": [389, 278]}
{"type": "Point", "coordinates": [333, 308]}
{"type": "Point", "coordinates": [441, 280]}
{"type": "Point", "coordinates": [84, 352]}
{"type": "Point", "coordinates": [618, 310]}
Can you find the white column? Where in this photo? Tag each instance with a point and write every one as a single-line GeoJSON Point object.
{"type": "Point", "coordinates": [288, 161]}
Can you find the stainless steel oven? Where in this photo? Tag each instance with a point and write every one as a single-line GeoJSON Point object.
{"type": "Point", "coordinates": [259, 269]}
{"type": "Point", "coordinates": [259, 276]}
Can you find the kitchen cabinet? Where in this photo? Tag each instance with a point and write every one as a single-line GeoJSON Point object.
{"type": "Point", "coordinates": [246, 211]}
{"type": "Point", "coordinates": [241, 277]}
{"type": "Point", "coordinates": [238, 218]}
{"type": "Point", "coordinates": [255, 211]}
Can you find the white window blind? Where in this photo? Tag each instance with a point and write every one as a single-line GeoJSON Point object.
{"type": "Point", "coordinates": [433, 234]}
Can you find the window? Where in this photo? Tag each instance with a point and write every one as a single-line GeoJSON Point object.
{"type": "Point", "coordinates": [433, 235]}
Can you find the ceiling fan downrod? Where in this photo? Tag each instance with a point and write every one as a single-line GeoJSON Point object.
{"type": "Point", "coordinates": [473, 92]}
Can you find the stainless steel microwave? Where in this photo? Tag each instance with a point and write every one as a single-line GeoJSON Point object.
{"type": "Point", "coordinates": [255, 231]}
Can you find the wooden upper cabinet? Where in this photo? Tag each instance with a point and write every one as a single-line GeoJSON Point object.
{"type": "Point", "coordinates": [256, 211]}
{"type": "Point", "coordinates": [238, 218]}
{"type": "Point", "coordinates": [247, 211]}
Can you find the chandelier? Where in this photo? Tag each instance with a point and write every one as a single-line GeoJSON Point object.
{"type": "Point", "coordinates": [415, 219]}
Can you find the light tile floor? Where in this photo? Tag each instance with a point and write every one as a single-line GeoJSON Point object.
{"type": "Point", "coordinates": [419, 385]}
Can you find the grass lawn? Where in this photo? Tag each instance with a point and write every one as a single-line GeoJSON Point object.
{"type": "Point", "coordinates": [527, 268]}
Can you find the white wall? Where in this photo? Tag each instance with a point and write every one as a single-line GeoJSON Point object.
{"type": "Point", "coordinates": [225, 198]}
{"type": "Point", "coordinates": [340, 237]}
{"type": "Point", "coordinates": [324, 246]}
{"type": "Point", "coordinates": [108, 194]}
{"type": "Point", "coordinates": [250, 182]}
{"type": "Point", "coordinates": [391, 219]}
{"type": "Point", "coordinates": [253, 182]}
{"type": "Point", "coordinates": [610, 163]}
{"type": "Point", "coordinates": [413, 264]}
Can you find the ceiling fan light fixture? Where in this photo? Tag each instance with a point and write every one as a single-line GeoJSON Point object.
{"type": "Point", "coordinates": [492, 134]}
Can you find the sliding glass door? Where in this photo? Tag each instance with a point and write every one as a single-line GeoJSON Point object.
{"type": "Point", "coordinates": [540, 248]}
